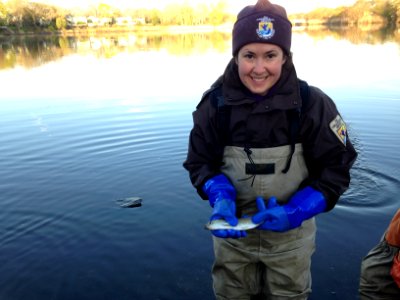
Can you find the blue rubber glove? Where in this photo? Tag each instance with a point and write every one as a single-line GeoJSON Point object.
{"type": "Point", "coordinates": [302, 206]}
{"type": "Point", "coordinates": [221, 195]}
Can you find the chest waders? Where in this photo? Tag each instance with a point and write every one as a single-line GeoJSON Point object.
{"type": "Point", "coordinates": [263, 176]}
{"type": "Point", "coordinates": [273, 265]}
{"type": "Point", "coordinates": [266, 172]}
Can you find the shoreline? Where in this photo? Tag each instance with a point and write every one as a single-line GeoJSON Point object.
{"type": "Point", "coordinates": [174, 29]}
{"type": "Point", "coordinates": [6, 32]}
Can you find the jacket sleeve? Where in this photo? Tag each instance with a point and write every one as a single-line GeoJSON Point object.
{"type": "Point", "coordinates": [205, 150]}
{"type": "Point", "coordinates": [328, 151]}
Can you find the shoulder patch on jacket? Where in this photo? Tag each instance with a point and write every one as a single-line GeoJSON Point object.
{"type": "Point", "coordinates": [339, 129]}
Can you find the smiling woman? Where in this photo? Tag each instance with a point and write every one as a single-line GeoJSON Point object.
{"type": "Point", "coordinates": [260, 66]}
{"type": "Point", "coordinates": [266, 144]}
{"type": "Point", "coordinates": [87, 121]}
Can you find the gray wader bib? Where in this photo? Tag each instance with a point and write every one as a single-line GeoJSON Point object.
{"type": "Point", "coordinates": [274, 265]}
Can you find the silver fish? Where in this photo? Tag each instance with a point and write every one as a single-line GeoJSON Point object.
{"type": "Point", "coordinates": [243, 224]}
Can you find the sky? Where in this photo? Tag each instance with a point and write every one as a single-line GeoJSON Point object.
{"type": "Point", "coordinates": [292, 6]}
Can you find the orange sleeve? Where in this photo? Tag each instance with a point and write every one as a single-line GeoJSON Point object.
{"type": "Point", "coordinates": [393, 231]}
{"type": "Point", "coordinates": [395, 270]}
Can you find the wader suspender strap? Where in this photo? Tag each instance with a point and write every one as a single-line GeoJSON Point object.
{"type": "Point", "coordinates": [294, 120]}
{"type": "Point", "coordinates": [223, 114]}
{"type": "Point", "coordinates": [223, 117]}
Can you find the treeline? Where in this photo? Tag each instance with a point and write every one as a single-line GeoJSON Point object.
{"type": "Point", "coordinates": [385, 12]}
{"type": "Point", "coordinates": [23, 15]}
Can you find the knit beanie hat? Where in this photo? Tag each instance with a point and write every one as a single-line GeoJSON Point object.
{"type": "Point", "coordinates": [263, 22]}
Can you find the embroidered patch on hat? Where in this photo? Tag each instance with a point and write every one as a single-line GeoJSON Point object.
{"type": "Point", "coordinates": [265, 28]}
{"type": "Point", "coordinates": [339, 129]}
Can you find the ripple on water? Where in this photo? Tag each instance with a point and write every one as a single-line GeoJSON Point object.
{"type": "Point", "coordinates": [57, 248]}
{"type": "Point", "coordinates": [370, 188]}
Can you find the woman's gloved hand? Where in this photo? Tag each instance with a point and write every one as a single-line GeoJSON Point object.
{"type": "Point", "coordinates": [302, 206]}
{"type": "Point", "coordinates": [221, 196]}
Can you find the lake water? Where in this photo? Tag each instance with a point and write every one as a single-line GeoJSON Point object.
{"type": "Point", "coordinates": [85, 122]}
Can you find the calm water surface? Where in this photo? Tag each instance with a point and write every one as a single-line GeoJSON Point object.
{"type": "Point", "coordinates": [84, 124]}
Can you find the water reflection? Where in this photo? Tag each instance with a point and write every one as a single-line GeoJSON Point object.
{"type": "Point", "coordinates": [359, 35]}
{"type": "Point", "coordinates": [30, 52]}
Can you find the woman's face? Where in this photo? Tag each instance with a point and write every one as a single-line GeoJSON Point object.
{"type": "Point", "coordinates": [260, 66]}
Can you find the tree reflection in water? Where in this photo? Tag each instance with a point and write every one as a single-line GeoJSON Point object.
{"type": "Point", "coordinates": [33, 51]}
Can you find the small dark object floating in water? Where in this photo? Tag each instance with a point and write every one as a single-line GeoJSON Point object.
{"type": "Point", "coordinates": [130, 202]}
